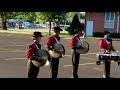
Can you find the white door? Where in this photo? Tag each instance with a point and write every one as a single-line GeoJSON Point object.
{"type": "Point", "coordinates": [89, 28]}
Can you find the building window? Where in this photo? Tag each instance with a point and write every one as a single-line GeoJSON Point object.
{"type": "Point", "coordinates": [109, 21]}
{"type": "Point", "coordinates": [109, 16]}
{"type": "Point", "coordinates": [112, 17]}
{"type": "Point", "coordinates": [109, 29]}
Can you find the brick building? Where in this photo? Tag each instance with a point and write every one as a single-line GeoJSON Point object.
{"type": "Point", "coordinates": [101, 21]}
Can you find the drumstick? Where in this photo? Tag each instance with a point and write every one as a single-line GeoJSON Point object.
{"type": "Point", "coordinates": [117, 51]}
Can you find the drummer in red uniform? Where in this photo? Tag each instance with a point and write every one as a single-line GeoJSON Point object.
{"type": "Point", "coordinates": [32, 69]}
{"type": "Point", "coordinates": [49, 43]}
{"type": "Point", "coordinates": [75, 54]}
{"type": "Point", "coordinates": [106, 46]}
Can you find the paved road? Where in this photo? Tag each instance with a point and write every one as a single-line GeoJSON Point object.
{"type": "Point", "coordinates": [13, 48]}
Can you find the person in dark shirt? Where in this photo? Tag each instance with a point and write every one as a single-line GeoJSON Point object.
{"type": "Point", "coordinates": [75, 54]}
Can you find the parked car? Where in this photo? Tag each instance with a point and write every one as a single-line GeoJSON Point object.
{"type": "Point", "coordinates": [27, 24]}
{"type": "Point", "coordinates": [33, 25]}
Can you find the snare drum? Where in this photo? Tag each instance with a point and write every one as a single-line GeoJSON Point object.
{"type": "Point", "coordinates": [108, 57]}
{"type": "Point", "coordinates": [115, 57]}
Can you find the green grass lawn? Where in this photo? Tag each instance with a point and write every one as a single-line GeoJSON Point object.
{"type": "Point", "coordinates": [26, 31]}
{"type": "Point", "coordinates": [46, 32]}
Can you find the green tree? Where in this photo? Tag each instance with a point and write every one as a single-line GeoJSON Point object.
{"type": "Point", "coordinates": [74, 25]}
{"type": "Point", "coordinates": [56, 17]}
{"type": "Point", "coordinates": [10, 15]}
{"type": "Point", "coordinates": [82, 15]}
{"type": "Point", "coordinates": [30, 16]}
{"type": "Point", "coordinates": [70, 15]}
{"type": "Point", "coordinates": [4, 16]}
{"type": "Point", "coordinates": [45, 17]}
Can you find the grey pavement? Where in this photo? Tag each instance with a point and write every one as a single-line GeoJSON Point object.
{"type": "Point", "coordinates": [13, 48]}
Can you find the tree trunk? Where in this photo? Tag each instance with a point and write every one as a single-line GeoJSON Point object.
{"type": "Point", "coordinates": [49, 28]}
{"type": "Point", "coordinates": [4, 27]}
{"type": "Point", "coordinates": [57, 23]}
{"type": "Point", "coordinates": [3, 16]}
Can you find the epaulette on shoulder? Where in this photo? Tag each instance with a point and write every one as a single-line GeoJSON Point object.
{"type": "Point", "coordinates": [51, 36]}
{"type": "Point", "coordinates": [31, 45]}
{"type": "Point", "coordinates": [101, 39]}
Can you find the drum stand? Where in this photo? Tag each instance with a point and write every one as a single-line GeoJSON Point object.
{"type": "Point", "coordinates": [98, 63]}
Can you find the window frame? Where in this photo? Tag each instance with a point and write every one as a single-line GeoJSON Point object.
{"type": "Point", "coordinates": [110, 13]}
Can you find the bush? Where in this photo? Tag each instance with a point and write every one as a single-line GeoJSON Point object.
{"type": "Point", "coordinates": [101, 34]}
{"type": "Point", "coordinates": [98, 34]}
{"type": "Point", "coordinates": [66, 28]}
{"type": "Point", "coordinates": [115, 35]}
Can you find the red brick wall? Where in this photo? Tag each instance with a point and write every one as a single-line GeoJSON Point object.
{"type": "Point", "coordinates": [98, 20]}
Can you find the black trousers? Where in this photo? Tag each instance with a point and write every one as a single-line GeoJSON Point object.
{"type": "Point", "coordinates": [54, 65]}
{"type": "Point", "coordinates": [107, 65]}
{"type": "Point", "coordinates": [75, 62]}
{"type": "Point", "coordinates": [32, 70]}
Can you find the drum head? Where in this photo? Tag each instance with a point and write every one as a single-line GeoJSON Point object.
{"type": "Point", "coordinates": [60, 48]}
{"type": "Point", "coordinates": [85, 46]}
{"type": "Point", "coordinates": [44, 57]}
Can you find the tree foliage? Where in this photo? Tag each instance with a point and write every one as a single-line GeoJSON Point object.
{"type": "Point", "coordinates": [56, 17]}
{"type": "Point", "coordinates": [51, 16]}
{"type": "Point", "coordinates": [29, 16]}
{"type": "Point", "coordinates": [82, 15]}
{"type": "Point", "coordinates": [70, 16]}
{"type": "Point", "coordinates": [4, 16]}
{"type": "Point", "coordinates": [74, 25]}
{"type": "Point", "coordinates": [16, 15]}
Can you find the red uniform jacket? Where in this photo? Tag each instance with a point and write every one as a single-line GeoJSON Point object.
{"type": "Point", "coordinates": [31, 50]}
{"type": "Point", "coordinates": [103, 44]}
{"type": "Point", "coordinates": [51, 40]}
{"type": "Point", "coordinates": [73, 41]}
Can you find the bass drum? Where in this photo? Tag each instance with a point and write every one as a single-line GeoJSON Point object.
{"type": "Point", "coordinates": [85, 46]}
{"type": "Point", "coordinates": [60, 51]}
{"type": "Point", "coordinates": [45, 58]}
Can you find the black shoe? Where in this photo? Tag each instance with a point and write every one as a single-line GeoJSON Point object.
{"type": "Point", "coordinates": [104, 76]}
{"type": "Point", "coordinates": [76, 76]}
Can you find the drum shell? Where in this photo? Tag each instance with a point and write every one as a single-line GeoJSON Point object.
{"type": "Point", "coordinates": [44, 57]}
{"type": "Point", "coordinates": [61, 51]}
